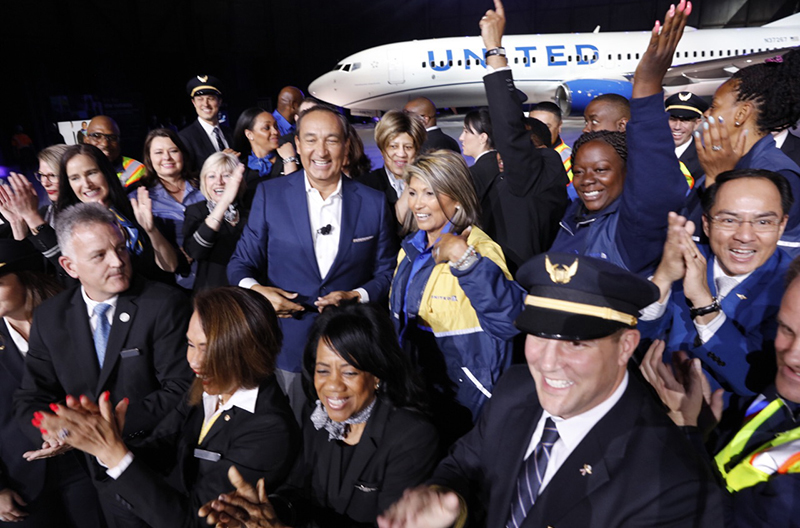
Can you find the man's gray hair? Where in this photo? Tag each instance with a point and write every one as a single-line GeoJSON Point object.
{"type": "Point", "coordinates": [79, 215]}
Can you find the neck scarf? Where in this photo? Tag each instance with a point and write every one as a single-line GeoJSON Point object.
{"type": "Point", "coordinates": [131, 233]}
{"type": "Point", "coordinates": [338, 430]}
{"type": "Point", "coordinates": [262, 165]}
{"type": "Point", "coordinates": [231, 213]}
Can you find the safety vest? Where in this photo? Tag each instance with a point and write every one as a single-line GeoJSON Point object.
{"type": "Point", "coordinates": [783, 450]}
{"type": "Point", "coordinates": [687, 175]}
{"type": "Point", "coordinates": [561, 147]}
{"type": "Point", "coordinates": [132, 171]}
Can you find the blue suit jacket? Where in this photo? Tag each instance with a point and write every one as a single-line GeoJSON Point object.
{"type": "Point", "coordinates": [277, 249]}
{"type": "Point", "coordinates": [740, 355]}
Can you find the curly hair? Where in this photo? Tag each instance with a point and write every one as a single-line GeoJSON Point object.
{"type": "Point", "coordinates": [774, 87]}
{"type": "Point", "coordinates": [615, 139]}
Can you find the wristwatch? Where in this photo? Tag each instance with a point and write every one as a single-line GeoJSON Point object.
{"type": "Point", "coordinates": [704, 310]}
{"type": "Point", "coordinates": [290, 159]}
{"type": "Point", "coordinates": [495, 51]}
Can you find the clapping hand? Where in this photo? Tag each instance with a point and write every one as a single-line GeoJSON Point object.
{"type": "Point", "coordinates": [245, 507]}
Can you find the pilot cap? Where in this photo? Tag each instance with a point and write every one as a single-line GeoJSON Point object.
{"type": "Point", "coordinates": [19, 255]}
{"type": "Point", "coordinates": [574, 297]}
{"type": "Point", "coordinates": [685, 105]}
{"type": "Point", "coordinates": [204, 85]}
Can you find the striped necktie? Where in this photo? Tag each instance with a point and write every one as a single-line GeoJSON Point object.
{"type": "Point", "coordinates": [220, 143]}
{"type": "Point", "coordinates": [101, 331]}
{"type": "Point", "coordinates": [531, 475]}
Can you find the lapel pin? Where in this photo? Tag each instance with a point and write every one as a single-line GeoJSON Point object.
{"type": "Point", "coordinates": [227, 418]}
{"type": "Point", "coordinates": [586, 470]}
{"type": "Point", "coordinates": [742, 297]}
{"type": "Point", "coordinates": [124, 317]}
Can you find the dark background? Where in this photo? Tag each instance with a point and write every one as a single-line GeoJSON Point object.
{"type": "Point", "coordinates": [70, 59]}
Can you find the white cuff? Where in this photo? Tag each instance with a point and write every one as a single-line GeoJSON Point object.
{"type": "Point", "coordinates": [248, 283]}
{"type": "Point", "coordinates": [120, 468]}
{"type": "Point", "coordinates": [707, 331]}
{"type": "Point", "coordinates": [490, 70]}
{"type": "Point", "coordinates": [656, 310]}
{"type": "Point", "coordinates": [364, 295]}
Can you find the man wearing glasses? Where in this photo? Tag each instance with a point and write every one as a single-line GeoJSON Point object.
{"type": "Point", "coordinates": [718, 302]}
{"type": "Point", "coordinates": [103, 133]}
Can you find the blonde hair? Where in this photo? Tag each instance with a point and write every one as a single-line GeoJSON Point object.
{"type": "Point", "coordinates": [52, 156]}
{"type": "Point", "coordinates": [394, 123]}
{"type": "Point", "coordinates": [445, 172]}
{"type": "Point", "coordinates": [224, 161]}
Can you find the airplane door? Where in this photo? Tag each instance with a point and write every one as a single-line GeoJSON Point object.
{"type": "Point", "coordinates": [395, 70]}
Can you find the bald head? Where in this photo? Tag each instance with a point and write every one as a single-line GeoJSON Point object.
{"type": "Point", "coordinates": [423, 108]}
{"type": "Point", "coordinates": [607, 112]}
{"type": "Point", "coordinates": [103, 133]}
{"type": "Point", "coordinates": [289, 100]}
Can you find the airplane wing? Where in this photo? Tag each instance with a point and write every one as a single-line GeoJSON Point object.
{"type": "Point", "coordinates": [714, 71]}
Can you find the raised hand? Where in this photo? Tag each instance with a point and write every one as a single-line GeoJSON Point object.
{"type": "Point", "coordinates": [143, 209]}
{"type": "Point", "coordinates": [245, 507]}
{"type": "Point", "coordinates": [422, 507]}
{"type": "Point", "coordinates": [715, 151]}
{"type": "Point", "coordinates": [492, 25]}
{"type": "Point", "coordinates": [450, 247]}
{"type": "Point", "coordinates": [660, 50]}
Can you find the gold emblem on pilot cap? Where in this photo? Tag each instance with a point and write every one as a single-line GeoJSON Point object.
{"type": "Point", "coordinates": [202, 78]}
{"type": "Point", "coordinates": [560, 273]}
{"type": "Point", "coordinates": [685, 96]}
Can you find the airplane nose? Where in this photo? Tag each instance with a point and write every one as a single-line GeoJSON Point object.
{"type": "Point", "coordinates": [325, 88]}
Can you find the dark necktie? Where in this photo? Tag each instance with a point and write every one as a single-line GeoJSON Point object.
{"type": "Point", "coordinates": [531, 475]}
{"type": "Point", "coordinates": [101, 331]}
{"type": "Point", "coordinates": [220, 143]}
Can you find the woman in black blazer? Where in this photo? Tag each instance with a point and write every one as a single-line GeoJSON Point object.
{"type": "Point", "coordinates": [212, 227]}
{"type": "Point", "coordinates": [234, 414]}
{"type": "Point", "coordinates": [257, 138]}
{"type": "Point", "coordinates": [476, 141]}
{"type": "Point", "coordinates": [366, 441]}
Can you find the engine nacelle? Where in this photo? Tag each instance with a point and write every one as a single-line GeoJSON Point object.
{"type": "Point", "coordinates": [575, 96]}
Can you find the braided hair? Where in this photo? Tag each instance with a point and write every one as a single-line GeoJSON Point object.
{"type": "Point", "coordinates": [615, 139]}
{"type": "Point", "coordinates": [774, 87]}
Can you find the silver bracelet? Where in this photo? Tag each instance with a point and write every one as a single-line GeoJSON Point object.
{"type": "Point", "coordinates": [214, 219]}
{"type": "Point", "coordinates": [469, 257]}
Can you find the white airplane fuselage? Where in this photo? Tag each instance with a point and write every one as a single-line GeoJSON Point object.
{"type": "Point", "coordinates": [575, 66]}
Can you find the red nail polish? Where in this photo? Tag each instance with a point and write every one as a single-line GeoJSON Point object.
{"type": "Point", "coordinates": [70, 397]}
{"type": "Point", "coordinates": [44, 431]}
{"type": "Point", "coordinates": [127, 401]}
{"type": "Point", "coordinates": [37, 415]}
{"type": "Point", "coordinates": [54, 407]}
{"type": "Point", "coordinates": [106, 395]}
{"type": "Point", "coordinates": [36, 423]}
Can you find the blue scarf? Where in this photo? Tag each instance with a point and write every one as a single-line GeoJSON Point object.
{"type": "Point", "coordinates": [262, 165]}
{"type": "Point", "coordinates": [131, 233]}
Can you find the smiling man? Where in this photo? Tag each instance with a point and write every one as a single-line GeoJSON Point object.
{"type": "Point", "coordinates": [314, 239]}
{"type": "Point", "coordinates": [685, 110]}
{"type": "Point", "coordinates": [206, 135]}
{"type": "Point", "coordinates": [571, 439]}
{"type": "Point", "coordinates": [718, 302]}
{"type": "Point", "coordinates": [103, 132]}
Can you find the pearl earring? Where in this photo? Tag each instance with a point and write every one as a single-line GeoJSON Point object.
{"type": "Point", "coordinates": [738, 124]}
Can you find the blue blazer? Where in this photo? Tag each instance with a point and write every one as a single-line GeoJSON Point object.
{"type": "Point", "coordinates": [740, 355]}
{"type": "Point", "coordinates": [277, 249]}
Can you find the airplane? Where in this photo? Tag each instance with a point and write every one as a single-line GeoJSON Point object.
{"type": "Point", "coordinates": [570, 69]}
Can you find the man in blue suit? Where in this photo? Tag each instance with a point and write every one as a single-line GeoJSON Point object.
{"type": "Point", "coordinates": [314, 239]}
{"type": "Point", "coordinates": [718, 302]}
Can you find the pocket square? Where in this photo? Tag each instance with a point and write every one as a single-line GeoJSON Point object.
{"type": "Point", "coordinates": [363, 239]}
{"type": "Point", "coordinates": [365, 489]}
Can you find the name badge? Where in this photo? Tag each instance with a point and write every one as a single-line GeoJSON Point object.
{"type": "Point", "coordinates": [202, 454]}
{"type": "Point", "coordinates": [131, 352]}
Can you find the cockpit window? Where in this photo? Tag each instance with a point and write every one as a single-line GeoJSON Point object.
{"type": "Point", "coordinates": [356, 65]}
{"type": "Point", "coordinates": [346, 68]}
{"type": "Point", "coordinates": [337, 67]}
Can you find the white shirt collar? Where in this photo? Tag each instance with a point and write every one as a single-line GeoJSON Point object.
{"type": "Point", "coordinates": [683, 148]}
{"type": "Point", "coordinates": [207, 127]}
{"type": "Point", "coordinates": [780, 137]}
{"type": "Point", "coordinates": [434, 127]}
{"type": "Point", "coordinates": [573, 430]}
{"type": "Point", "coordinates": [309, 187]}
{"type": "Point", "coordinates": [244, 399]}
{"type": "Point", "coordinates": [16, 337]}
{"type": "Point", "coordinates": [90, 304]}
{"type": "Point", "coordinates": [718, 272]}
{"type": "Point", "coordinates": [484, 153]}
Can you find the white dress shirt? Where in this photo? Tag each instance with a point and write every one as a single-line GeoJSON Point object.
{"type": "Point", "coordinates": [571, 432]}
{"type": "Point", "coordinates": [681, 149]}
{"type": "Point", "coordinates": [213, 137]}
{"type": "Point", "coordinates": [16, 337]}
{"type": "Point", "coordinates": [398, 184]}
{"type": "Point", "coordinates": [90, 304]}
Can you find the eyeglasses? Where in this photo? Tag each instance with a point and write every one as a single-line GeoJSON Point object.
{"type": "Point", "coordinates": [52, 178]}
{"type": "Point", "coordinates": [733, 223]}
{"type": "Point", "coordinates": [97, 136]}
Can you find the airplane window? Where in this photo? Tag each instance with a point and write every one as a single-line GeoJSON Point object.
{"type": "Point", "coordinates": [552, 59]}
{"type": "Point", "coordinates": [524, 60]}
{"type": "Point", "coordinates": [441, 64]}
{"type": "Point", "coordinates": [424, 64]}
{"type": "Point", "coordinates": [569, 58]}
{"type": "Point", "coordinates": [468, 62]}
{"type": "Point", "coordinates": [609, 56]}
{"type": "Point", "coordinates": [449, 63]}
{"type": "Point", "coordinates": [695, 54]}
{"type": "Point", "coordinates": [459, 62]}
{"type": "Point", "coordinates": [356, 65]}
{"type": "Point", "coordinates": [619, 56]}
{"type": "Point", "coordinates": [346, 68]}
{"type": "Point", "coordinates": [433, 64]}
{"type": "Point", "coordinates": [516, 60]}
{"type": "Point", "coordinates": [702, 53]}
{"type": "Point", "coordinates": [629, 56]}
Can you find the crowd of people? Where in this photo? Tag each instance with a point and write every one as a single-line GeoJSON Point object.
{"type": "Point", "coordinates": [253, 328]}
